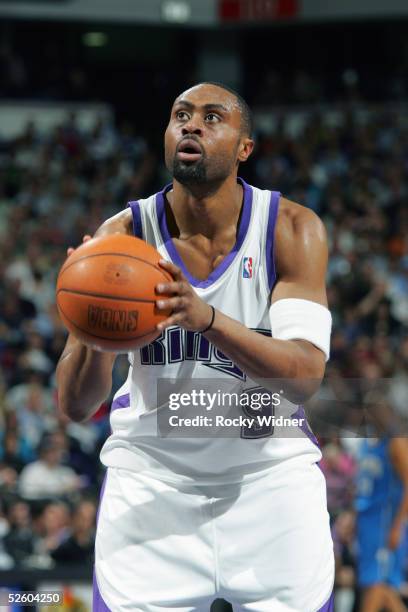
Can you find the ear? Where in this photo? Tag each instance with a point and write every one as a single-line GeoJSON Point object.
{"type": "Point", "coordinates": [245, 149]}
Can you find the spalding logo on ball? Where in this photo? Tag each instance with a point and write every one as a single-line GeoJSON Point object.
{"type": "Point", "coordinates": [106, 293]}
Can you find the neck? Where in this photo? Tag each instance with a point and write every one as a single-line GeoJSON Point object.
{"type": "Point", "coordinates": [207, 213]}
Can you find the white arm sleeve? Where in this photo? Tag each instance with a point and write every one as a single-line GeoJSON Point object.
{"type": "Point", "coordinates": [296, 319]}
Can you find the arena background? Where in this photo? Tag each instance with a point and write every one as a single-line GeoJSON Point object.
{"type": "Point", "coordinates": [86, 87]}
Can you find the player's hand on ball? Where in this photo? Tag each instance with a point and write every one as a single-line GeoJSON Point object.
{"type": "Point", "coordinates": [70, 250]}
{"type": "Point", "coordinates": [188, 309]}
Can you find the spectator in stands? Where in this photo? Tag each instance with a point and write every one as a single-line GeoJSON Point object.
{"type": "Point", "coordinates": [79, 546]}
{"type": "Point", "coordinates": [51, 528]}
{"type": "Point", "coordinates": [6, 561]}
{"type": "Point", "coordinates": [20, 540]}
{"type": "Point", "coordinates": [8, 482]}
{"type": "Point", "coordinates": [344, 552]}
{"type": "Point", "coordinates": [15, 452]}
{"type": "Point", "coordinates": [78, 446]}
{"type": "Point", "coordinates": [338, 468]}
{"type": "Point", "coordinates": [48, 477]}
{"type": "Point", "coordinates": [33, 404]}
{"type": "Point", "coordinates": [33, 356]}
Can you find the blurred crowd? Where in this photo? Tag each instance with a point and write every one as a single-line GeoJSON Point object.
{"type": "Point", "coordinates": [53, 189]}
{"type": "Point", "coordinates": [349, 165]}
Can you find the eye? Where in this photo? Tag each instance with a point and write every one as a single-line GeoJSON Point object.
{"type": "Point", "coordinates": [212, 118]}
{"type": "Point", "coordinates": [182, 115]}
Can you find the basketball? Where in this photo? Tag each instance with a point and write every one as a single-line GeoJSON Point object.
{"type": "Point", "coordinates": [106, 293]}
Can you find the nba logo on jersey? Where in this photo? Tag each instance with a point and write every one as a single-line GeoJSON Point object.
{"type": "Point", "coordinates": [247, 267]}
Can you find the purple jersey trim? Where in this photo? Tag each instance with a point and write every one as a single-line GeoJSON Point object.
{"type": "Point", "coordinates": [328, 606]}
{"type": "Point", "coordinates": [102, 491]}
{"type": "Point", "coordinates": [123, 401]}
{"type": "Point", "coordinates": [270, 235]}
{"type": "Point", "coordinates": [98, 605]}
{"type": "Point", "coordinates": [137, 219]}
{"type": "Point", "coordinates": [300, 414]}
{"type": "Point", "coordinates": [227, 261]}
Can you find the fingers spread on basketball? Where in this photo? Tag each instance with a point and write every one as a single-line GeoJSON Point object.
{"type": "Point", "coordinates": [174, 288]}
{"type": "Point", "coordinates": [188, 309]}
{"type": "Point", "coordinates": [174, 270]}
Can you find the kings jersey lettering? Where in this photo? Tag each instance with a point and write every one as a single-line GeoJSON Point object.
{"type": "Point", "coordinates": [175, 345]}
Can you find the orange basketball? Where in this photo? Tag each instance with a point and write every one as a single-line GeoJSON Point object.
{"type": "Point", "coordinates": [106, 293]}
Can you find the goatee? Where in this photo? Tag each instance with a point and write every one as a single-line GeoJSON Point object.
{"type": "Point", "coordinates": [189, 174]}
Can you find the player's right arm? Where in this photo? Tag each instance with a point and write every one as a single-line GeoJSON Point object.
{"type": "Point", "coordinates": [84, 376]}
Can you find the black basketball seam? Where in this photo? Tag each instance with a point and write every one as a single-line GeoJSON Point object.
{"type": "Point", "coordinates": [117, 255]}
{"type": "Point", "coordinates": [108, 297]}
{"type": "Point", "coordinates": [103, 337]}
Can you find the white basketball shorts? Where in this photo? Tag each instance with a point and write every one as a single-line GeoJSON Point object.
{"type": "Point", "coordinates": [263, 545]}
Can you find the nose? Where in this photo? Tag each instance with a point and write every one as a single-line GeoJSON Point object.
{"type": "Point", "coordinates": [192, 127]}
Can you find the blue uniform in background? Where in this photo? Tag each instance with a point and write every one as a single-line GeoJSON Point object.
{"type": "Point", "coordinates": [379, 494]}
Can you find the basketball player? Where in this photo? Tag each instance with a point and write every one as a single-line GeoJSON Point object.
{"type": "Point", "coordinates": [382, 511]}
{"type": "Point", "coordinates": [183, 521]}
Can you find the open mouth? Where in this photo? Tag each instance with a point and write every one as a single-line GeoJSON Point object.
{"type": "Point", "coordinates": [189, 151]}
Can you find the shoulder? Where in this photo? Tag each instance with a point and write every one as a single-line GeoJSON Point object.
{"type": "Point", "coordinates": [296, 221]}
{"type": "Point", "coordinates": [121, 223]}
{"type": "Point", "coordinates": [300, 235]}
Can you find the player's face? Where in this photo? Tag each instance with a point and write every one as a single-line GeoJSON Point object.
{"type": "Point", "coordinates": [204, 141]}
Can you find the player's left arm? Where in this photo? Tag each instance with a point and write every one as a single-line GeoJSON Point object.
{"type": "Point", "coordinates": [301, 253]}
{"type": "Point", "coordinates": [399, 458]}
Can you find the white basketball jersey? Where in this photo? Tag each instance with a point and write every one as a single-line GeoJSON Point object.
{"type": "Point", "coordinates": [239, 287]}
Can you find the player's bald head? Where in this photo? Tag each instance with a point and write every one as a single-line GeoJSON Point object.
{"type": "Point", "coordinates": [237, 99]}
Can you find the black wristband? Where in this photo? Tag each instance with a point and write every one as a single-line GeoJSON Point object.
{"type": "Point", "coordinates": [211, 322]}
